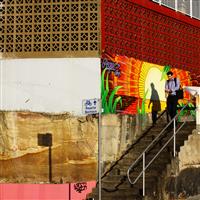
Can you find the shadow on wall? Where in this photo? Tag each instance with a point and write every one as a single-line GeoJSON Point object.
{"type": "Point", "coordinates": [155, 101]}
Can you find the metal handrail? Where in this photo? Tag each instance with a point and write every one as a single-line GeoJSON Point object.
{"type": "Point", "coordinates": [123, 155]}
{"type": "Point", "coordinates": [130, 148]}
{"type": "Point", "coordinates": [142, 155]}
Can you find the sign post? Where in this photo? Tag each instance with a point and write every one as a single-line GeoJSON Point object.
{"type": "Point", "coordinates": [90, 106]}
{"type": "Point", "coordinates": [93, 106]}
{"type": "Point", "coordinates": [99, 149]}
{"type": "Point", "coordinates": [46, 141]}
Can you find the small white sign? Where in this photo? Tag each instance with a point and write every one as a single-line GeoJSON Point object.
{"type": "Point", "coordinates": [90, 106]}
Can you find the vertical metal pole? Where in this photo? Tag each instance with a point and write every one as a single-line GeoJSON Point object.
{"type": "Point", "coordinates": [69, 191]}
{"type": "Point", "coordinates": [176, 5]}
{"type": "Point", "coordinates": [174, 137]}
{"type": "Point", "coordinates": [191, 14]}
{"type": "Point", "coordinates": [50, 166]}
{"type": "Point", "coordinates": [1, 84]}
{"type": "Point", "coordinates": [144, 174]}
{"type": "Point", "coordinates": [99, 149]}
{"type": "Point", "coordinates": [198, 112]}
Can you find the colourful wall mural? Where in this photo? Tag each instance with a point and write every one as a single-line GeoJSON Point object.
{"type": "Point", "coordinates": [132, 86]}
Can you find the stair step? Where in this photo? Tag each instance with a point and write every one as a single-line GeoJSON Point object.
{"type": "Point", "coordinates": [120, 194]}
{"type": "Point", "coordinates": [160, 159]}
{"type": "Point", "coordinates": [114, 179]}
{"type": "Point", "coordinates": [129, 192]}
{"type": "Point", "coordinates": [149, 178]}
{"type": "Point", "coordinates": [111, 190]}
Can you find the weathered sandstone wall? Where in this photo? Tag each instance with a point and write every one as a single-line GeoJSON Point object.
{"type": "Point", "coordinates": [74, 150]}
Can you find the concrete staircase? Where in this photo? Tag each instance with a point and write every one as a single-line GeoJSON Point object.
{"type": "Point", "coordinates": [115, 185]}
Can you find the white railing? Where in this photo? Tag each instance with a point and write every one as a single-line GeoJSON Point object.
{"type": "Point", "coordinates": [143, 154]}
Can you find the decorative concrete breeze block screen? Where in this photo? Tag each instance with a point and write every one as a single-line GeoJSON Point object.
{"type": "Point", "coordinates": [49, 28]}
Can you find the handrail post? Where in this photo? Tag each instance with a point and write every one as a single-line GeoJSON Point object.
{"type": "Point", "coordinates": [143, 173]}
{"type": "Point", "coordinates": [174, 137]}
{"type": "Point", "coordinates": [198, 113]}
{"type": "Point", "coordinates": [142, 155]}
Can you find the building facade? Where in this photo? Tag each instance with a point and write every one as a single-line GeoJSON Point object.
{"type": "Point", "coordinates": [55, 53]}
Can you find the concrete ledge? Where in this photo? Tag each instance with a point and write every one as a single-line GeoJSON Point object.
{"type": "Point", "coordinates": [197, 197]}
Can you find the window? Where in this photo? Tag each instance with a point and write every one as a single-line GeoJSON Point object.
{"type": "Point", "coordinates": [184, 6]}
{"type": "Point", "coordinates": [169, 3]}
{"type": "Point", "coordinates": [196, 8]}
{"type": "Point", "coordinates": [188, 7]}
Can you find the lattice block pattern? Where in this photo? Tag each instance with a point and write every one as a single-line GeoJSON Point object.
{"type": "Point", "coordinates": [138, 32]}
{"type": "Point", "coordinates": [34, 26]}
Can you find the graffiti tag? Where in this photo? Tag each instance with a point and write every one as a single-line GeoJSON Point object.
{"type": "Point", "coordinates": [111, 67]}
{"type": "Point", "coordinates": [80, 187]}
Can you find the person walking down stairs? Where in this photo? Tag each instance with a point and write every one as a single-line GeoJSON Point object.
{"type": "Point", "coordinates": [172, 85]}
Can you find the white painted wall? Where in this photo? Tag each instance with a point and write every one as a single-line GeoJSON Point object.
{"type": "Point", "coordinates": [48, 85]}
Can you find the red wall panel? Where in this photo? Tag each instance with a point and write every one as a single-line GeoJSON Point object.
{"type": "Point", "coordinates": [149, 32]}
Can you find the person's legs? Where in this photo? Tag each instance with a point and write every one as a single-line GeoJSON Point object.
{"type": "Point", "coordinates": [174, 106]}
{"type": "Point", "coordinates": [169, 106]}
